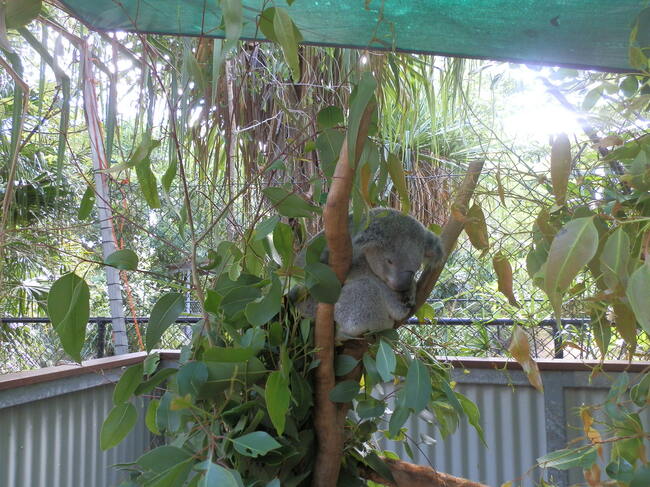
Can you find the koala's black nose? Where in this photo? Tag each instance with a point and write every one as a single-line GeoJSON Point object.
{"type": "Point", "coordinates": [404, 281]}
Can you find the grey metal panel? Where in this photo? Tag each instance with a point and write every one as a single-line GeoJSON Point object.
{"type": "Point", "coordinates": [54, 442]}
{"type": "Point", "coordinates": [513, 422]}
{"type": "Point", "coordinates": [576, 397]}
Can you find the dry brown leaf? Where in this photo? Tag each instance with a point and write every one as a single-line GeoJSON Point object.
{"type": "Point", "coordinates": [560, 167]}
{"type": "Point", "coordinates": [503, 270]}
{"type": "Point", "coordinates": [476, 228]}
{"type": "Point", "coordinates": [520, 349]}
{"type": "Point", "coordinates": [609, 141]}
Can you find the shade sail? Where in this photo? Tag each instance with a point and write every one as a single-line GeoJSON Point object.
{"type": "Point", "coordinates": [578, 33]}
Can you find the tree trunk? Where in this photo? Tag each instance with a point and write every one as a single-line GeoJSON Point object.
{"type": "Point", "coordinates": [102, 201]}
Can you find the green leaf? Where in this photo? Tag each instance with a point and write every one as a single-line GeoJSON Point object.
{"type": "Point", "coordinates": [344, 364]}
{"type": "Point", "coordinates": [148, 183]}
{"type": "Point", "coordinates": [638, 293]}
{"type": "Point", "coordinates": [322, 283]}
{"type": "Point", "coordinates": [237, 299]}
{"type": "Point", "coordinates": [370, 408]}
{"type": "Point", "coordinates": [329, 117]}
{"type": "Point", "coordinates": [255, 444]}
{"type": "Point", "coordinates": [566, 459]}
{"type": "Point", "coordinates": [289, 204]}
{"type": "Point", "coordinates": [128, 383]}
{"type": "Point", "coordinates": [216, 475]}
{"type": "Point", "coordinates": [328, 145]}
{"type": "Point", "coordinates": [266, 227]}
{"type": "Point", "coordinates": [572, 249]}
{"type": "Point", "coordinates": [418, 386]}
{"type": "Point", "coordinates": [164, 313]}
{"type": "Point", "coordinates": [166, 418]}
{"type": "Point", "coordinates": [158, 378]}
{"type": "Point", "coordinates": [229, 354]}
{"type": "Point", "coordinates": [615, 258]}
{"type": "Point", "coordinates": [124, 259]}
{"type": "Point", "coordinates": [150, 417]}
{"type": "Point", "coordinates": [386, 361]}
{"type": "Point", "coordinates": [261, 312]}
{"type": "Point", "coordinates": [364, 92]}
{"type": "Point", "coordinates": [68, 306]}
{"type": "Point", "coordinates": [283, 243]}
{"type": "Point", "coordinates": [119, 422]}
{"type": "Point", "coordinates": [397, 420]}
{"type": "Point", "coordinates": [379, 465]}
{"type": "Point", "coordinates": [191, 377]}
{"type": "Point", "coordinates": [151, 363]}
{"type": "Point", "coordinates": [277, 396]}
{"type": "Point", "coordinates": [285, 32]}
{"type": "Point", "coordinates": [473, 415]}
{"type": "Point", "coordinates": [629, 85]}
{"type": "Point", "coordinates": [87, 203]}
{"type": "Point", "coordinates": [266, 26]}
{"type": "Point", "coordinates": [233, 19]}
{"type": "Point", "coordinates": [344, 391]}
{"type": "Point", "coordinates": [162, 458]}
{"type": "Point", "coordinates": [591, 98]}
{"type": "Point", "coordinates": [140, 155]}
{"type": "Point", "coordinates": [19, 13]}
{"type": "Point", "coordinates": [397, 174]}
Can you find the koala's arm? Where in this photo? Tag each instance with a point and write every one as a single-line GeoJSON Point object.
{"type": "Point", "coordinates": [361, 308]}
{"type": "Point", "coordinates": [398, 305]}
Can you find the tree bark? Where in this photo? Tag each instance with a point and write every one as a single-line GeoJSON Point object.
{"type": "Point", "coordinates": [450, 233]}
{"type": "Point", "coordinates": [409, 475]}
{"type": "Point", "coordinates": [102, 201]}
{"type": "Point", "coordinates": [329, 428]}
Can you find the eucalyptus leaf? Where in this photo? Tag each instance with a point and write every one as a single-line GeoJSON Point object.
{"type": "Point", "coordinates": [284, 30]}
{"type": "Point", "coordinates": [572, 249]}
{"type": "Point", "coordinates": [289, 204]}
{"type": "Point", "coordinates": [128, 383]}
{"type": "Point", "coordinates": [418, 386]}
{"type": "Point", "coordinates": [255, 444]}
{"type": "Point", "coordinates": [322, 282]}
{"type": "Point", "coordinates": [164, 313]}
{"type": "Point", "coordinates": [119, 422]}
{"type": "Point", "coordinates": [344, 391]}
{"type": "Point", "coordinates": [87, 203]}
{"type": "Point", "coordinates": [569, 458]}
{"type": "Point", "coordinates": [124, 259]}
{"type": "Point", "coordinates": [68, 306]}
{"type": "Point", "coordinates": [364, 92]}
{"type": "Point", "coordinates": [638, 294]}
{"type": "Point", "coordinates": [277, 395]}
{"type": "Point", "coordinates": [385, 361]}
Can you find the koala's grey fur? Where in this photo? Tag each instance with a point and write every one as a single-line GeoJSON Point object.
{"type": "Point", "coordinates": [380, 286]}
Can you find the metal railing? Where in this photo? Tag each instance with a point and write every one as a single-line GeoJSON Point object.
{"type": "Point", "coordinates": [31, 343]}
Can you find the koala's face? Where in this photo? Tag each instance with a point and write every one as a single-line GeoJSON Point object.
{"type": "Point", "coordinates": [396, 266]}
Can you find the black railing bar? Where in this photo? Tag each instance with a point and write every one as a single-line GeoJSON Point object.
{"type": "Point", "coordinates": [411, 321]}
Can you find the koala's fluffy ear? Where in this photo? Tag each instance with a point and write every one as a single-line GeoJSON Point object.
{"type": "Point", "coordinates": [432, 248]}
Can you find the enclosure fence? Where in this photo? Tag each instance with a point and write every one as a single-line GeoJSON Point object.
{"type": "Point", "coordinates": [31, 343]}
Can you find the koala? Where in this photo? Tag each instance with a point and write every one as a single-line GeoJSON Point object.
{"type": "Point", "coordinates": [380, 286]}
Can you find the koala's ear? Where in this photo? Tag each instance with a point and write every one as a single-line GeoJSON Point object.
{"type": "Point", "coordinates": [432, 248]}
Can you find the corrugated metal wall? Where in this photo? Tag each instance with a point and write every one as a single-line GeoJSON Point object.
{"type": "Point", "coordinates": [54, 442]}
{"type": "Point", "coordinates": [513, 422]}
{"type": "Point", "coordinates": [49, 432]}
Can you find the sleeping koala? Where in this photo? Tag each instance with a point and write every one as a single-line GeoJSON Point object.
{"type": "Point", "coordinates": [380, 286]}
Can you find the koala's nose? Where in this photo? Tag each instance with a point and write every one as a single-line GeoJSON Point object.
{"type": "Point", "coordinates": [404, 281]}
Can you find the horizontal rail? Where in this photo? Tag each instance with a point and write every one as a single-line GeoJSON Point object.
{"type": "Point", "coordinates": [20, 379]}
{"type": "Point", "coordinates": [411, 321]}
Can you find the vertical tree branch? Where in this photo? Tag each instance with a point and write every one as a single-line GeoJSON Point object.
{"type": "Point", "coordinates": [450, 233]}
{"type": "Point", "coordinates": [329, 432]}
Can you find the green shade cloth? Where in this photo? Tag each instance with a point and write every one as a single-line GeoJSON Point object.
{"type": "Point", "coordinates": [577, 33]}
